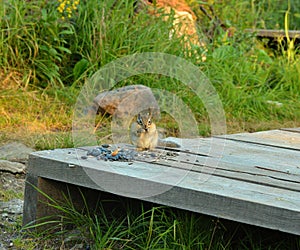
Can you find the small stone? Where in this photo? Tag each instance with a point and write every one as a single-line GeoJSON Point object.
{"type": "Point", "coordinates": [172, 154]}
{"type": "Point", "coordinates": [94, 152]}
{"type": "Point", "coordinates": [153, 155]}
{"type": "Point", "coordinates": [4, 215]}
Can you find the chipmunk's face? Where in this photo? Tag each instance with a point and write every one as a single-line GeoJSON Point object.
{"type": "Point", "coordinates": [144, 121]}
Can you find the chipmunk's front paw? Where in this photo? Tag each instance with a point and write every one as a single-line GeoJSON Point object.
{"type": "Point", "coordinates": [140, 131]}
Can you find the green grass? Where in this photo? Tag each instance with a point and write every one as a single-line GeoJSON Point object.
{"type": "Point", "coordinates": [45, 60]}
{"type": "Point", "coordinates": [128, 224]}
{"type": "Point", "coordinates": [45, 63]}
{"type": "Point", "coordinates": [7, 195]}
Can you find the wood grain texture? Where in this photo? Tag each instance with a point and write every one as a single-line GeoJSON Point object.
{"type": "Point", "coordinates": [275, 138]}
{"type": "Point", "coordinates": [249, 178]}
{"type": "Point", "coordinates": [296, 130]}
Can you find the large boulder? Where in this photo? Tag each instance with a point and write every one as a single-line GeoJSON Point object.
{"type": "Point", "coordinates": [128, 100]}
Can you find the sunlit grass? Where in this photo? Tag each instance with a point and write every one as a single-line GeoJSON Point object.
{"type": "Point", "coordinates": [35, 117]}
{"type": "Point", "coordinates": [259, 88]}
{"type": "Point", "coordinates": [7, 195]}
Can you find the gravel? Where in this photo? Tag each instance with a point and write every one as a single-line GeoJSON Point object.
{"type": "Point", "coordinates": [13, 159]}
{"type": "Point", "coordinates": [11, 210]}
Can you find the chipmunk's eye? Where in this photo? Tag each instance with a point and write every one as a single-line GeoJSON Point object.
{"type": "Point", "coordinates": [149, 122]}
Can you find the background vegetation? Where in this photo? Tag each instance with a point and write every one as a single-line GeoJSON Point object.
{"type": "Point", "coordinates": [48, 51]}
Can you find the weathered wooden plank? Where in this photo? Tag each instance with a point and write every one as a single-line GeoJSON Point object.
{"type": "Point", "coordinates": [146, 171]}
{"type": "Point", "coordinates": [232, 199]}
{"type": "Point", "coordinates": [241, 161]}
{"type": "Point", "coordinates": [296, 130]}
{"type": "Point", "coordinates": [272, 158]}
{"type": "Point", "coordinates": [31, 197]}
{"type": "Point", "coordinates": [245, 154]}
{"type": "Point", "coordinates": [237, 157]}
{"type": "Point", "coordinates": [246, 173]}
{"type": "Point", "coordinates": [275, 138]}
{"type": "Point", "coordinates": [293, 34]}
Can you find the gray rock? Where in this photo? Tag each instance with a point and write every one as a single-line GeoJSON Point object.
{"type": "Point", "coordinates": [126, 100]}
{"type": "Point", "coordinates": [14, 206]}
{"type": "Point", "coordinates": [15, 151]}
{"type": "Point", "coordinates": [12, 167]}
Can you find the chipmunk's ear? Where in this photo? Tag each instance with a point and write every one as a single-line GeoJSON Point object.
{"type": "Point", "coordinates": [150, 111]}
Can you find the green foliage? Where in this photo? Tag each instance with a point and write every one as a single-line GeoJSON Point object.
{"type": "Point", "coordinates": [126, 224]}
{"type": "Point", "coordinates": [34, 41]}
{"type": "Point", "coordinates": [253, 81]}
{"type": "Point", "coordinates": [7, 195]}
{"type": "Point", "coordinates": [49, 50]}
{"type": "Point", "coordinates": [250, 81]}
{"type": "Point", "coordinates": [262, 14]}
{"type": "Point", "coordinates": [53, 50]}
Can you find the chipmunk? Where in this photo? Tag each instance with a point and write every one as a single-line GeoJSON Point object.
{"type": "Point", "coordinates": [144, 133]}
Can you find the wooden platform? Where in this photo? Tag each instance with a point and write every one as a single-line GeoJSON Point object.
{"type": "Point", "coordinates": [266, 33]}
{"type": "Point", "coordinates": [274, 36]}
{"type": "Point", "coordinates": [252, 178]}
